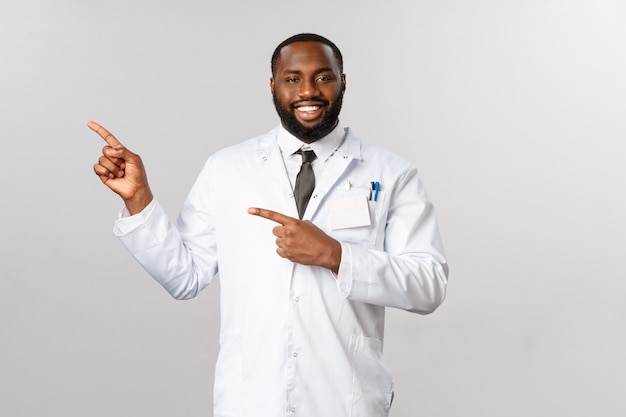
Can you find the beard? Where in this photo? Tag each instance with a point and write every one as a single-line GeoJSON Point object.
{"type": "Point", "coordinates": [309, 134]}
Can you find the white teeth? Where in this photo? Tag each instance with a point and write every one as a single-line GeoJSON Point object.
{"type": "Point", "coordinates": [308, 108]}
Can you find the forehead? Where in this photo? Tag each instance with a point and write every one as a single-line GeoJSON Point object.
{"type": "Point", "coordinates": [299, 56]}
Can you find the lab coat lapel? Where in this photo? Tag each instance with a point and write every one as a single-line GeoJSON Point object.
{"type": "Point", "coordinates": [274, 169]}
{"type": "Point", "coordinates": [338, 164]}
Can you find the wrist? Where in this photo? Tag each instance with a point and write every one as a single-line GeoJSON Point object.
{"type": "Point", "coordinates": [334, 257]}
{"type": "Point", "coordinates": [138, 201]}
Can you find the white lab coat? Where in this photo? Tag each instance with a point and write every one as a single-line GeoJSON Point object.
{"type": "Point", "coordinates": [297, 340]}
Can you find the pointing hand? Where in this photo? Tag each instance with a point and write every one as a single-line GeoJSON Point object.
{"type": "Point", "coordinates": [122, 171]}
{"type": "Point", "coordinates": [301, 241]}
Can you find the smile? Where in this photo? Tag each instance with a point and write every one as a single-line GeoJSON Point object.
{"type": "Point", "coordinates": [308, 108]}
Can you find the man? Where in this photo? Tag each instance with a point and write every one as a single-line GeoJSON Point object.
{"type": "Point", "coordinates": [303, 295]}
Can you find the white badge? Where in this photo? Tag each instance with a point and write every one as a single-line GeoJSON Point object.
{"type": "Point", "coordinates": [349, 212]}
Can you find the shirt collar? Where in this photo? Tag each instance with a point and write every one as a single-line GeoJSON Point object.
{"type": "Point", "coordinates": [323, 147]}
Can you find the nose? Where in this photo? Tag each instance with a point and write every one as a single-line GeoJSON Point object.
{"type": "Point", "coordinates": [308, 89]}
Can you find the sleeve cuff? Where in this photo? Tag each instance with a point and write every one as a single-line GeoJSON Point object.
{"type": "Point", "coordinates": [344, 275]}
{"type": "Point", "coordinates": [354, 260]}
{"type": "Point", "coordinates": [126, 222]}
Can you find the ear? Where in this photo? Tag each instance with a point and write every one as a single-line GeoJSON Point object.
{"type": "Point", "coordinates": [272, 85]}
{"type": "Point", "coordinates": [343, 83]}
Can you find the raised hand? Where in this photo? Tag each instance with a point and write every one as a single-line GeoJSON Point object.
{"type": "Point", "coordinates": [301, 241]}
{"type": "Point", "coordinates": [122, 171]}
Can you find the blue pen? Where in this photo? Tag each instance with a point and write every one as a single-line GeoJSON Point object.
{"type": "Point", "coordinates": [376, 188]}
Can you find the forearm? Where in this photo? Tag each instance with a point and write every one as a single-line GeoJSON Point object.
{"type": "Point", "coordinates": [157, 245]}
{"type": "Point", "coordinates": [414, 282]}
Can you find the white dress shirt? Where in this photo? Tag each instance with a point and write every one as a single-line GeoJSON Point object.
{"type": "Point", "coordinates": [324, 148]}
{"type": "Point", "coordinates": [294, 341]}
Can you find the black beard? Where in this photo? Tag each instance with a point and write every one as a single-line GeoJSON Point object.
{"type": "Point", "coordinates": [309, 134]}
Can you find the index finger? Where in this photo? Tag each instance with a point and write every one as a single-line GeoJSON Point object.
{"type": "Point", "coordinates": [104, 134]}
{"type": "Point", "coordinates": [270, 215]}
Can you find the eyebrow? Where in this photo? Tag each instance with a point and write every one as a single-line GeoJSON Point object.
{"type": "Point", "coordinates": [317, 71]}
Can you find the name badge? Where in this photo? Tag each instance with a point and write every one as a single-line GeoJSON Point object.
{"type": "Point", "coordinates": [349, 212]}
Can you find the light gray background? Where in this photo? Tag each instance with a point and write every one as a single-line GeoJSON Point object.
{"type": "Point", "coordinates": [512, 110]}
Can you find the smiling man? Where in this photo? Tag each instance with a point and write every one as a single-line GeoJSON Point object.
{"type": "Point", "coordinates": [324, 233]}
{"type": "Point", "coordinates": [307, 86]}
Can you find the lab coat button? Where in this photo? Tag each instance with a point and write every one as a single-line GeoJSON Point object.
{"type": "Point", "coordinates": [296, 299]}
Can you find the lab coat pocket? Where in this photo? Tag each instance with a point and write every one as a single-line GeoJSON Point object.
{"type": "Point", "coordinates": [366, 234]}
{"type": "Point", "coordinates": [372, 385]}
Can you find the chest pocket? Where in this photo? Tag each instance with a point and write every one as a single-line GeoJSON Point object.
{"type": "Point", "coordinates": [365, 235]}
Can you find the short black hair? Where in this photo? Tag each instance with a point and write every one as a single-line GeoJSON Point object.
{"type": "Point", "coordinates": [306, 37]}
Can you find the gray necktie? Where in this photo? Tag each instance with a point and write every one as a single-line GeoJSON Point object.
{"type": "Point", "coordinates": [305, 181]}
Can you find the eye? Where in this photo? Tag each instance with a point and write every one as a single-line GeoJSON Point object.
{"type": "Point", "coordinates": [291, 80]}
{"type": "Point", "coordinates": [324, 78]}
